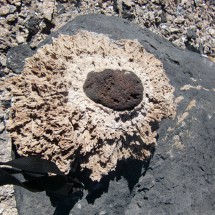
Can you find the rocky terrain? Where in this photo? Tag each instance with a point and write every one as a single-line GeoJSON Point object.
{"type": "Point", "coordinates": [179, 177]}
{"type": "Point", "coordinates": [188, 24]}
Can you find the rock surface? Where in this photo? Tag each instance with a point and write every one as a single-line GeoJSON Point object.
{"type": "Point", "coordinates": [31, 21]}
{"type": "Point", "coordinates": [114, 89]}
{"type": "Point", "coordinates": [179, 179]}
{"type": "Point", "coordinates": [16, 57]}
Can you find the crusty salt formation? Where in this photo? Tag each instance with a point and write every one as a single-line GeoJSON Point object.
{"type": "Point", "coordinates": [51, 115]}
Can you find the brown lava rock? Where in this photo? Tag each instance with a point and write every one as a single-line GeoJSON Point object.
{"type": "Point", "coordinates": [115, 89]}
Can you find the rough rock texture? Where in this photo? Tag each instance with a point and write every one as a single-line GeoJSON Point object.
{"type": "Point", "coordinates": [180, 177]}
{"type": "Point", "coordinates": [116, 89]}
{"type": "Point", "coordinates": [187, 23]}
{"type": "Point", "coordinates": [52, 117]}
{"type": "Point", "coordinates": [19, 53]}
{"type": "Point", "coordinates": [31, 21]}
{"type": "Point", "coordinates": [7, 198]}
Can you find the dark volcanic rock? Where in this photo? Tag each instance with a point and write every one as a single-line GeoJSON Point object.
{"type": "Point", "coordinates": [180, 179]}
{"type": "Point", "coordinates": [191, 34]}
{"type": "Point", "coordinates": [16, 57]}
{"type": "Point", "coordinates": [118, 90]}
{"type": "Point", "coordinates": [33, 24]}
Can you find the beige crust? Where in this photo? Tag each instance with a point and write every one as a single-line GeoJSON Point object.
{"type": "Point", "coordinates": [51, 115]}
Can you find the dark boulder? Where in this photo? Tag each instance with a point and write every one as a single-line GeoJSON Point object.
{"type": "Point", "coordinates": [179, 178]}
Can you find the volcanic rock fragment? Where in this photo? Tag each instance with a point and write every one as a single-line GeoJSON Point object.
{"type": "Point", "coordinates": [118, 90]}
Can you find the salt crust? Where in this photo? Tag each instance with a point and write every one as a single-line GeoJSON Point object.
{"type": "Point", "coordinates": [52, 117]}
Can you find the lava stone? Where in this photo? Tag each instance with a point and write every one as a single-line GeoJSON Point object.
{"type": "Point", "coordinates": [191, 34]}
{"type": "Point", "coordinates": [115, 89]}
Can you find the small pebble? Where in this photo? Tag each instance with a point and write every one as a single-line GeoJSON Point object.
{"type": "Point", "coordinates": [2, 128]}
{"type": "Point", "coordinates": [20, 39]}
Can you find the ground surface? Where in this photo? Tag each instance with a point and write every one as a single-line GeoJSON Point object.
{"type": "Point", "coordinates": [180, 177]}
{"type": "Point", "coordinates": [186, 23]}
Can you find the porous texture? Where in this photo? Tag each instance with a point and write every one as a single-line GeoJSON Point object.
{"type": "Point", "coordinates": [116, 89]}
{"type": "Point", "coordinates": [52, 117]}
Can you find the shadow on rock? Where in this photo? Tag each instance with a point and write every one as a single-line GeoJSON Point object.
{"type": "Point", "coordinates": [64, 191]}
{"type": "Point", "coordinates": [131, 170]}
{"type": "Point", "coordinates": [64, 204]}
